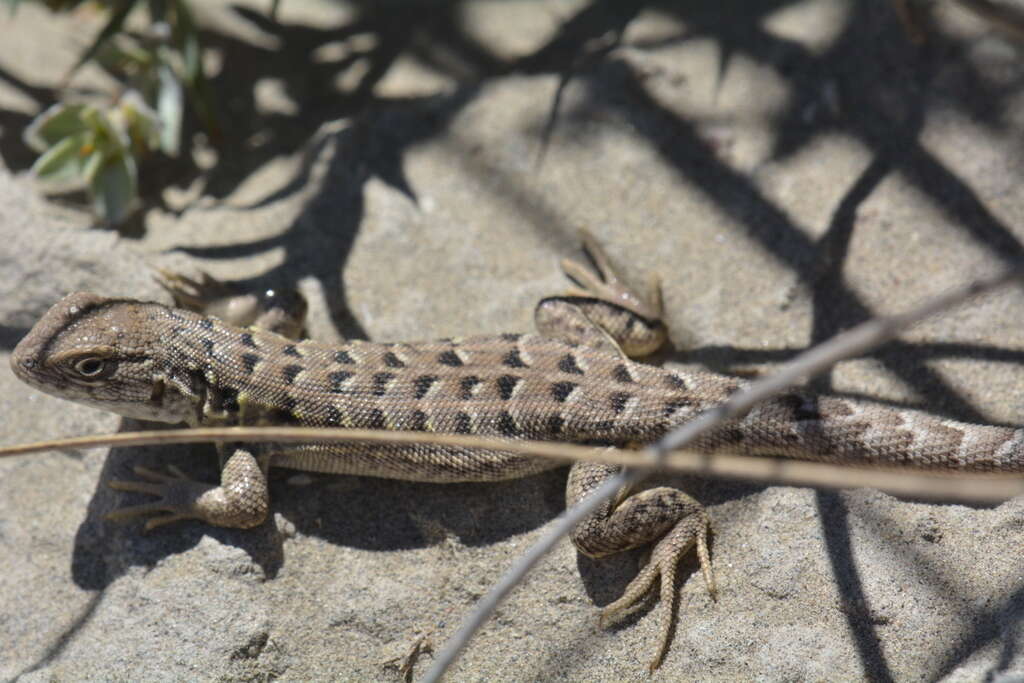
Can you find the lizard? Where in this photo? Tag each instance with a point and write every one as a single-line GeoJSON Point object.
{"type": "Point", "coordinates": [574, 381]}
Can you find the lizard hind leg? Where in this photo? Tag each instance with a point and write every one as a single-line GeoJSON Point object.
{"type": "Point", "coordinates": [603, 312]}
{"type": "Point", "coordinates": [670, 518]}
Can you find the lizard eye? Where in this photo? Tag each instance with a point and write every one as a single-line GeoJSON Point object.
{"type": "Point", "coordinates": [91, 367]}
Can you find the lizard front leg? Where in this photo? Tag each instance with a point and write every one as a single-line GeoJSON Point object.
{"type": "Point", "coordinates": [606, 314]}
{"type": "Point", "coordinates": [241, 500]}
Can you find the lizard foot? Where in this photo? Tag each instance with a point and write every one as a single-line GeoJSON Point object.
{"type": "Point", "coordinates": [241, 501]}
{"type": "Point", "coordinates": [662, 566]}
{"type": "Point", "coordinates": [280, 311]}
{"type": "Point", "coordinates": [605, 284]}
{"type": "Point", "coordinates": [174, 490]}
{"type": "Point", "coordinates": [622, 319]}
{"type": "Point", "coordinates": [405, 663]}
{"type": "Point", "coordinates": [198, 295]}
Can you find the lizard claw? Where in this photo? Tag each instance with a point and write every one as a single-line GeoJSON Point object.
{"type": "Point", "coordinates": [174, 489]}
{"type": "Point", "coordinates": [240, 502]}
{"type": "Point", "coordinates": [605, 283]}
{"type": "Point", "coordinates": [193, 294]}
{"type": "Point", "coordinates": [626, 322]}
{"type": "Point", "coordinates": [145, 509]}
{"type": "Point", "coordinates": [278, 310]}
{"type": "Point", "coordinates": [662, 567]}
{"type": "Point", "coordinates": [154, 482]}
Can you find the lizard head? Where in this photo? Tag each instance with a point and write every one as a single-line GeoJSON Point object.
{"type": "Point", "coordinates": [97, 351]}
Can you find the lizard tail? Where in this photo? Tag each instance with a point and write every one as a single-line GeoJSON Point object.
{"type": "Point", "coordinates": [846, 431]}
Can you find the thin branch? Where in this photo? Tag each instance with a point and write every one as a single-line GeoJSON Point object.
{"type": "Point", "coordinates": [988, 487]}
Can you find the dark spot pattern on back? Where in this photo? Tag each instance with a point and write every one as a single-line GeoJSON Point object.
{"type": "Point", "coordinates": [568, 365]}
{"type": "Point", "coordinates": [206, 324]}
{"type": "Point", "coordinates": [672, 406]}
{"type": "Point", "coordinates": [290, 372]}
{"type": "Point", "coordinates": [791, 437]}
{"type": "Point", "coordinates": [338, 379]}
{"type": "Point", "coordinates": [560, 390]}
{"type": "Point", "coordinates": [511, 337]}
{"type": "Point", "coordinates": [463, 423]}
{"type": "Point", "coordinates": [208, 345]}
{"type": "Point", "coordinates": [507, 425]}
{"type": "Point", "coordinates": [418, 421]}
{"type": "Point", "coordinates": [422, 385]}
{"type": "Point", "coordinates": [381, 381]}
{"type": "Point", "coordinates": [513, 360]}
{"type": "Point", "coordinates": [393, 361]}
{"type": "Point", "coordinates": [507, 386]}
{"type": "Point", "coordinates": [375, 419]}
{"type": "Point", "coordinates": [802, 408]}
{"type": "Point", "coordinates": [806, 412]}
{"type": "Point", "coordinates": [344, 358]}
{"type": "Point", "coordinates": [555, 423]}
{"type": "Point", "coordinates": [466, 387]}
{"type": "Point", "coordinates": [833, 406]}
{"type": "Point", "coordinates": [674, 382]}
{"type": "Point", "coordinates": [333, 417]}
{"type": "Point", "coordinates": [292, 351]}
{"type": "Point", "coordinates": [618, 401]}
{"type": "Point", "coordinates": [729, 435]}
{"type": "Point", "coordinates": [450, 358]}
{"type": "Point", "coordinates": [621, 374]}
{"type": "Point", "coordinates": [249, 361]}
{"type": "Point", "coordinates": [247, 340]}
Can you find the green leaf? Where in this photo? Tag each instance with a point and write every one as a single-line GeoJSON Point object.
{"type": "Point", "coordinates": [140, 121]}
{"type": "Point", "coordinates": [170, 104]}
{"type": "Point", "coordinates": [92, 166]}
{"type": "Point", "coordinates": [111, 139]}
{"type": "Point", "coordinates": [63, 165]}
{"type": "Point", "coordinates": [55, 124]}
{"type": "Point", "coordinates": [113, 189]}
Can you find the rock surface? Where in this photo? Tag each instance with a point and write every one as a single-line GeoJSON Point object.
{"type": "Point", "coordinates": [787, 175]}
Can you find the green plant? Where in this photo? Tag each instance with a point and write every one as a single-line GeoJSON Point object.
{"type": "Point", "coordinates": [97, 145]}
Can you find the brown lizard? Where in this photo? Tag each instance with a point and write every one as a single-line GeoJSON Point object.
{"type": "Point", "coordinates": [572, 383]}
